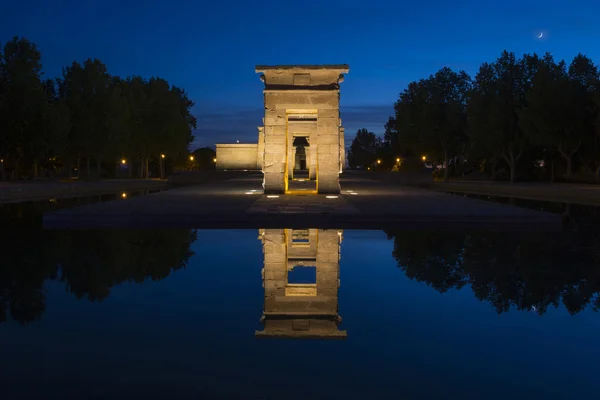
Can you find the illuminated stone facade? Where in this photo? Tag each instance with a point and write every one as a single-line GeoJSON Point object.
{"type": "Point", "coordinates": [305, 310]}
{"type": "Point", "coordinates": [302, 128]}
{"type": "Point", "coordinates": [237, 156]}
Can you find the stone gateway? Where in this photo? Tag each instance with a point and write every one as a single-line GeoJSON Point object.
{"type": "Point", "coordinates": [302, 128]}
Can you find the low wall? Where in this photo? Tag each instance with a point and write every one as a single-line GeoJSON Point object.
{"type": "Point", "coordinates": [237, 156]}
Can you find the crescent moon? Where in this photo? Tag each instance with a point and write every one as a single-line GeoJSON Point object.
{"type": "Point", "coordinates": [541, 34]}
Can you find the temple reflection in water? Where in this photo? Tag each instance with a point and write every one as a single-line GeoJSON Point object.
{"type": "Point", "coordinates": [301, 280]}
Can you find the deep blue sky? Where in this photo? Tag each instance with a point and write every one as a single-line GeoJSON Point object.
{"type": "Point", "coordinates": [210, 47]}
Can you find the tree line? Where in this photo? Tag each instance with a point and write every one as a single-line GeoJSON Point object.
{"type": "Point", "coordinates": [526, 271]}
{"type": "Point", "coordinates": [87, 120]}
{"type": "Point", "coordinates": [527, 118]}
{"type": "Point", "coordinates": [88, 263]}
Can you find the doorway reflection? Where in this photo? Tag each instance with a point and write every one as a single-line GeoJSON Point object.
{"type": "Point", "coordinates": [301, 280]}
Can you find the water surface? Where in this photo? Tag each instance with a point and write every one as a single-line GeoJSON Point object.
{"type": "Point", "coordinates": [227, 314]}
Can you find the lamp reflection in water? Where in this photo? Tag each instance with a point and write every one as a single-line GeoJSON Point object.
{"type": "Point", "coordinates": [304, 310]}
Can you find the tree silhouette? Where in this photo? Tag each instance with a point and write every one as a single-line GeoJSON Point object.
{"type": "Point", "coordinates": [86, 117]}
{"type": "Point", "coordinates": [28, 260]}
{"type": "Point", "coordinates": [95, 261]}
{"type": "Point", "coordinates": [519, 114]}
{"type": "Point", "coordinates": [528, 271]}
{"type": "Point", "coordinates": [90, 263]}
{"type": "Point", "coordinates": [431, 257]}
{"type": "Point", "coordinates": [363, 150]}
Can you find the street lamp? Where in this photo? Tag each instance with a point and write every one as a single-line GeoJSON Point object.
{"type": "Point", "coordinates": [397, 160]}
{"type": "Point", "coordinates": [214, 160]}
{"type": "Point", "coordinates": [378, 161]}
{"type": "Point", "coordinates": [424, 158]}
{"type": "Point", "coordinates": [191, 158]}
{"type": "Point", "coordinates": [123, 161]}
{"type": "Point", "coordinates": [161, 165]}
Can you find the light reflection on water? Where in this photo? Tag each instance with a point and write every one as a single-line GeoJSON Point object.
{"type": "Point", "coordinates": [180, 313]}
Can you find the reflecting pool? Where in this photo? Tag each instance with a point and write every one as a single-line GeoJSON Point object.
{"type": "Point", "coordinates": [298, 314]}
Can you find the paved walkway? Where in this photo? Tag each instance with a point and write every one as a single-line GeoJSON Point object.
{"type": "Point", "coordinates": [364, 203]}
{"type": "Point", "coordinates": [16, 192]}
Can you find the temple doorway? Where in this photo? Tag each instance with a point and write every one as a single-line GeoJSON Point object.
{"type": "Point", "coordinates": [299, 181]}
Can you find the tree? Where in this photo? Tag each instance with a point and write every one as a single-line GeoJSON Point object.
{"type": "Point", "coordinates": [86, 115]}
{"type": "Point", "coordinates": [586, 74]}
{"type": "Point", "coordinates": [432, 115]}
{"type": "Point", "coordinates": [93, 262]}
{"type": "Point", "coordinates": [498, 93]}
{"type": "Point", "coordinates": [554, 114]}
{"type": "Point", "coordinates": [90, 263]}
{"type": "Point", "coordinates": [363, 150]}
{"type": "Point", "coordinates": [29, 259]}
{"type": "Point", "coordinates": [56, 123]}
{"type": "Point", "coordinates": [204, 158]}
{"type": "Point", "coordinates": [431, 257]}
{"type": "Point", "coordinates": [528, 271]}
{"type": "Point", "coordinates": [24, 101]}
{"type": "Point", "coordinates": [85, 89]}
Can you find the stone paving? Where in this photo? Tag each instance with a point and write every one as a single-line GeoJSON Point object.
{"type": "Point", "coordinates": [573, 193]}
{"type": "Point", "coordinates": [364, 203]}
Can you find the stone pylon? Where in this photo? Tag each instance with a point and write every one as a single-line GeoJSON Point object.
{"type": "Point", "coordinates": [301, 310]}
{"type": "Point", "coordinates": [302, 101]}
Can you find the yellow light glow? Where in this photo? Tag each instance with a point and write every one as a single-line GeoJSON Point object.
{"type": "Point", "coordinates": [424, 158]}
{"type": "Point", "coordinates": [378, 161]}
{"type": "Point", "coordinates": [162, 156]}
{"type": "Point", "coordinates": [214, 160]}
{"type": "Point", "coordinates": [123, 161]}
{"type": "Point", "coordinates": [191, 158]}
{"type": "Point", "coordinates": [331, 197]}
{"type": "Point", "coordinates": [272, 196]}
{"type": "Point", "coordinates": [2, 160]}
{"type": "Point", "coordinates": [397, 160]}
{"type": "Point", "coordinates": [124, 195]}
{"type": "Point", "coordinates": [368, 169]}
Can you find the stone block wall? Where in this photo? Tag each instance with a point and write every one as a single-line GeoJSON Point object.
{"type": "Point", "coordinates": [294, 93]}
{"type": "Point", "coordinates": [237, 156]}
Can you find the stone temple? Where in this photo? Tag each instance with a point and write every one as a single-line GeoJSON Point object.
{"type": "Point", "coordinates": [301, 132]}
{"type": "Point", "coordinates": [307, 309]}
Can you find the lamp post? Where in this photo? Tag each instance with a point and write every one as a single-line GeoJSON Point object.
{"type": "Point", "coordinates": [162, 166]}
{"type": "Point", "coordinates": [119, 165]}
